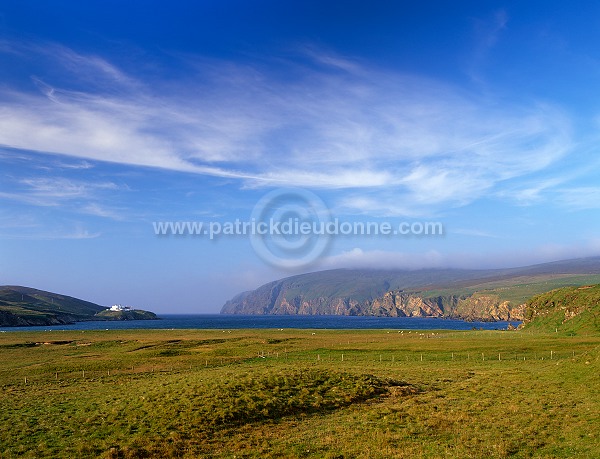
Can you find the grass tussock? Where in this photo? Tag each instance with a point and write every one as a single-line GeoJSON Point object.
{"type": "Point", "coordinates": [292, 392]}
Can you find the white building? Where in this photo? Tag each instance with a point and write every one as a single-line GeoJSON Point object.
{"type": "Point", "coordinates": [118, 307]}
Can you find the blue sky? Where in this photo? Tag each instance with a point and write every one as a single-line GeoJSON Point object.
{"type": "Point", "coordinates": [113, 115]}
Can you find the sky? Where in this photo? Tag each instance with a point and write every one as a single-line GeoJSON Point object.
{"type": "Point", "coordinates": [482, 116]}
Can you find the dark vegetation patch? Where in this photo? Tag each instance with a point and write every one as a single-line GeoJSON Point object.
{"type": "Point", "coordinates": [184, 344]}
{"type": "Point", "coordinates": [274, 395]}
{"type": "Point", "coordinates": [171, 352]}
{"type": "Point", "coordinates": [279, 340]}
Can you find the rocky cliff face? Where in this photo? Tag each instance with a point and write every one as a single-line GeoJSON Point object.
{"type": "Point", "coordinates": [272, 299]}
{"type": "Point", "coordinates": [488, 307]}
{"type": "Point", "coordinates": [452, 293]}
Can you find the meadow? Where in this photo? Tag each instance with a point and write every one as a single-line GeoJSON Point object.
{"type": "Point", "coordinates": [299, 393]}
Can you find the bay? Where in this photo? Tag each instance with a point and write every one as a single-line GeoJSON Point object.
{"type": "Point", "coordinates": [220, 321]}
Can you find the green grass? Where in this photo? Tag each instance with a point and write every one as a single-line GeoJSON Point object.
{"type": "Point", "coordinates": [22, 311]}
{"type": "Point", "coordinates": [40, 307]}
{"type": "Point", "coordinates": [518, 290]}
{"type": "Point", "coordinates": [299, 393]}
{"type": "Point", "coordinates": [569, 310]}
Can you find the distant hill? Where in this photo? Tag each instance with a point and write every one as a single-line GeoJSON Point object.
{"type": "Point", "coordinates": [491, 294]}
{"type": "Point", "coordinates": [22, 306]}
{"type": "Point", "coordinates": [571, 310]}
{"type": "Point", "coordinates": [131, 314]}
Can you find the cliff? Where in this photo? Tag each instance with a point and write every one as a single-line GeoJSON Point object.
{"type": "Point", "coordinates": [391, 304]}
{"type": "Point", "coordinates": [483, 295]}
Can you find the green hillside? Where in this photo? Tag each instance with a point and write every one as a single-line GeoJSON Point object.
{"type": "Point", "coordinates": [519, 289]}
{"type": "Point", "coordinates": [23, 306]}
{"type": "Point", "coordinates": [370, 284]}
{"type": "Point", "coordinates": [28, 306]}
{"type": "Point", "coordinates": [569, 310]}
{"type": "Point", "coordinates": [470, 294]}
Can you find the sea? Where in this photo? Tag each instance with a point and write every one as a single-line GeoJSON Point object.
{"type": "Point", "coordinates": [228, 322]}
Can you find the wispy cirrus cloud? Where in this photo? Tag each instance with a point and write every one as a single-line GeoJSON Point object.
{"type": "Point", "coordinates": [30, 225]}
{"type": "Point", "coordinates": [77, 232]}
{"type": "Point", "coordinates": [328, 123]}
{"type": "Point", "coordinates": [579, 198]}
{"type": "Point", "coordinates": [572, 189]}
{"type": "Point", "coordinates": [487, 32]}
{"type": "Point", "coordinates": [52, 191]}
{"type": "Point", "coordinates": [101, 210]}
{"type": "Point", "coordinates": [78, 196]}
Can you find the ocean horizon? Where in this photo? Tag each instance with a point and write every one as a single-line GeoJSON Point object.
{"type": "Point", "coordinates": [229, 322]}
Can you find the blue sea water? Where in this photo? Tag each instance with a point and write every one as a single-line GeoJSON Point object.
{"type": "Point", "coordinates": [219, 321]}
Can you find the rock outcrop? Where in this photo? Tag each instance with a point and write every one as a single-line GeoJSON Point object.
{"type": "Point", "coordinates": [390, 304]}
{"type": "Point", "coordinates": [469, 294]}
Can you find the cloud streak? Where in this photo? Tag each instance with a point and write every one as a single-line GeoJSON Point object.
{"type": "Point", "coordinates": [76, 196]}
{"type": "Point", "coordinates": [384, 259]}
{"type": "Point", "coordinates": [329, 123]}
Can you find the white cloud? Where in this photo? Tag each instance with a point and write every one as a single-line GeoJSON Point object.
{"type": "Point", "coordinates": [78, 233]}
{"type": "Point", "coordinates": [380, 259]}
{"type": "Point", "coordinates": [474, 232]}
{"type": "Point", "coordinates": [59, 191]}
{"type": "Point", "coordinates": [41, 232]}
{"type": "Point", "coordinates": [335, 125]}
{"type": "Point", "coordinates": [99, 210]}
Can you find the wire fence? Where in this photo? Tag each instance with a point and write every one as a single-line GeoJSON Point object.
{"type": "Point", "coordinates": [351, 359]}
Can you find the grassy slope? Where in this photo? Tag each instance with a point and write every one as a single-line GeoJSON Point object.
{"type": "Point", "coordinates": [28, 306]}
{"type": "Point", "coordinates": [208, 393]}
{"type": "Point", "coordinates": [519, 289]}
{"type": "Point", "coordinates": [571, 310]}
{"type": "Point", "coordinates": [368, 284]}
{"type": "Point", "coordinates": [34, 306]}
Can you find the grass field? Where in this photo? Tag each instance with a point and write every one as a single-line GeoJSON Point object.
{"type": "Point", "coordinates": [299, 393]}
